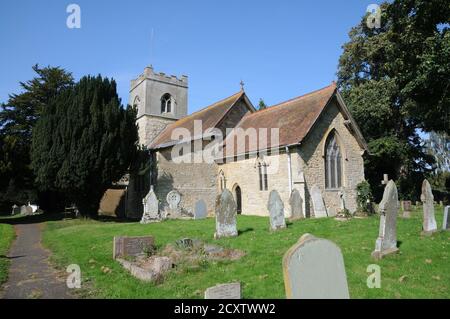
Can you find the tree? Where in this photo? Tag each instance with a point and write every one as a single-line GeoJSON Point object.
{"type": "Point", "coordinates": [395, 82]}
{"type": "Point", "coordinates": [17, 119]}
{"type": "Point", "coordinates": [84, 141]}
{"type": "Point", "coordinates": [262, 105]}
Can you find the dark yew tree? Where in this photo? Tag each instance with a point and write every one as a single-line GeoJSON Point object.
{"type": "Point", "coordinates": [17, 119]}
{"type": "Point", "coordinates": [84, 141]}
{"type": "Point", "coordinates": [395, 80]}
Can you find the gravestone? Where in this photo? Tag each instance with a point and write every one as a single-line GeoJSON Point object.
{"type": "Point", "coordinates": [317, 201]}
{"type": "Point", "coordinates": [276, 211]}
{"type": "Point", "coordinates": [151, 210]}
{"type": "Point", "coordinates": [427, 198]}
{"type": "Point", "coordinates": [314, 269]}
{"type": "Point", "coordinates": [225, 215]}
{"type": "Point", "coordinates": [386, 242]}
{"type": "Point", "coordinates": [224, 291]}
{"type": "Point", "coordinates": [124, 246]}
{"type": "Point", "coordinates": [23, 210]}
{"type": "Point", "coordinates": [200, 210]}
{"type": "Point", "coordinates": [406, 207]}
{"type": "Point", "coordinates": [296, 203]}
{"type": "Point", "coordinates": [173, 198]}
{"type": "Point", "coordinates": [446, 222]}
{"type": "Point", "coordinates": [15, 210]}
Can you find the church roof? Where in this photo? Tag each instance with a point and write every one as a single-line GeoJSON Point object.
{"type": "Point", "coordinates": [294, 119]}
{"type": "Point", "coordinates": [210, 116]}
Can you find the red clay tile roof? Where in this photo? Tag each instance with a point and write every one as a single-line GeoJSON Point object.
{"type": "Point", "coordinates": [294, 118]}
{"type": "Point", "coordinates": [210, 117]}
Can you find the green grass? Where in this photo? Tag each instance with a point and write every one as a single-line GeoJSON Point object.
{"type": "Point", "coordinates": [6, 238]}
{"type": "Point", "coordinates": [423, 260]}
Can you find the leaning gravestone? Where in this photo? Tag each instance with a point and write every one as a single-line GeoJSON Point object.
{"type": "Point", "coordinates": [200, 210]}
{"type": "Point", "coordinates": [317, 201]}
{"type": "Point", "coordinates": [406, 207]}
{"type": "Point", "coordinates": [225, 215]}
{"type": "Point", "coordinates": [224, 291]}
{"type": "Point", "coordinates": [427, 198]}
{"type": "Point", "coordinates": [124, 246]}
{"type": "Point", "coordinates": [296, 203]}
{"type": "Point", "coordinates": [314, 269]}
{"type": "Point", "coordinates": [276, 211]}
{"type": "Point", "coordinates": [446, 223]}
{"type": "Point", "coordinates": [386, 242]}
{"type": "Point", "coordinates": [151, 211]}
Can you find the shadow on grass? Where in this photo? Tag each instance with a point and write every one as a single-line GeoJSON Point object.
{"type": "Point", "coordinates": [46, 217]}
{"type": "Point", "coordinates": [240, 232]}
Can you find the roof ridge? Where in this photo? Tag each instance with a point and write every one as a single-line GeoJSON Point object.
{"type": "Point", "coordinates": [211, 105]}
{"type": "Point", "coordinates": [294, 99]}
{"type": "Point", "coordinates": [201, 110]}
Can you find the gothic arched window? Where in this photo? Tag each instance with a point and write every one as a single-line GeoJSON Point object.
{"type": "Point", "coordinates": [333, 163]}
{"type": "Point", "coordinates": [262, 172]}
{"type": "Point", "coordinates": [166, 103]}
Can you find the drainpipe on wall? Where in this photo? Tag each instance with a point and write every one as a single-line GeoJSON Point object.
{"type": "Point", "coordinates": [289, 169]}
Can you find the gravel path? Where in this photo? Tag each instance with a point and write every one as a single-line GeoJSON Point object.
{"type": "Point", "coordinates": [30, 275]}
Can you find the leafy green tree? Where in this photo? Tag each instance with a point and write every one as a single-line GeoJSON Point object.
{"type": "Point", "coordinates": [395, 81]}
{"type": "Point", "coordinates": [17, 119]}
{"type": "Point", "coordinates": [84, 141]}
{"type": "Point", "coordinates": [262, 105]}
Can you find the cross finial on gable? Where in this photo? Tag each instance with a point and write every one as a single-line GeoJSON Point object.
{"type": "Point", "coordinates": [242, 85]}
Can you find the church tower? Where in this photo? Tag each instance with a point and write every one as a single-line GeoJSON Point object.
{"type": "Point", "coordinates": [161, 99]}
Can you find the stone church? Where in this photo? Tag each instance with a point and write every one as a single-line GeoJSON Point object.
{"type": "Point", "coordinates": [305, 141]}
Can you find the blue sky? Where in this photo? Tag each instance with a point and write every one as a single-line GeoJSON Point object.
{"type": "Point", "coordinates": [280, 49]}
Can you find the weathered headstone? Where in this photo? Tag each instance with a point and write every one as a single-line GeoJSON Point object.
{"type": "Point", "coordinates": [317, 201]}
{"type": "Point", "coordinates": [314, 269]}
{"type": "Point", "coordinates": [124, 246]}
{"type": "Point", "coordinates": [200, 210]}
{"type": "Point", "coordinates": [173, 198]}
{"type": "Point", "coordinates": [23, 210]}
{"type": "Point", "coordinates": [224, 291]}
{"type": "Point", "coordinates": [406, 207]}
{"type": "Point", "coordinates": [446, 222]}
{"type": "Point", "coordinates": [225, 215]}
{"type": "Point", "coordinates": [15, 210]}
{"type": "Point", "coordinates": [386, 242]}
{"type": "Point", "coordinates": [296, 203]}
{"type": "Point", "coordinates": [151, 207]}
{"type": "Point", "coordinates": [276, 211]}
{"type": "Point", "coordinates": [427, 198]}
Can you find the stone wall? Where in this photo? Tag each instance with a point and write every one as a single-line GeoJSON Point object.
{"type": "Point", "coordinates": [150, 126]}
{"type": "Point", "coordinates": [194, 181]}
{"type": "Point", "coordinates": [311, 159]}
{"type": "Point", "coordinates": [307, 167]}
{"type": "Point", "coordinates": [245, 174]}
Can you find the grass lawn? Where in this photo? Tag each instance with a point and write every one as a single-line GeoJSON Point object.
{"type": "Point", "coordinates": [423, 262]}
{"type": "Point", "coordinates": [6, 238]}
